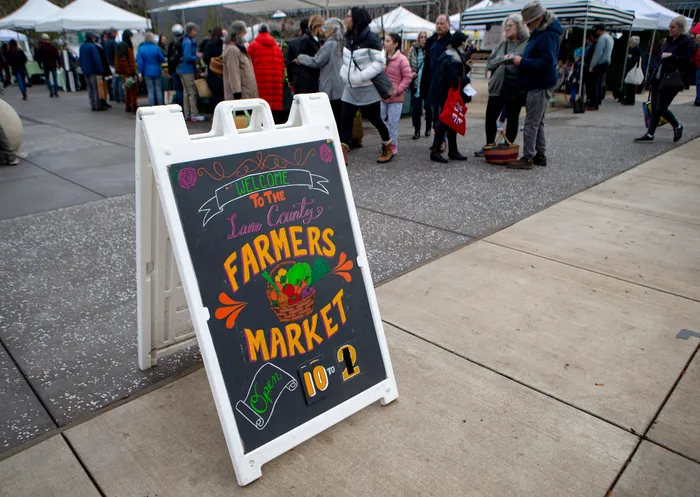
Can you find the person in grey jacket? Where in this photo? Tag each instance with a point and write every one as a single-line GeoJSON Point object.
{"type": "Point", "coordinates": [503, 85]}
{"type": "Point", "coordinates": [599, 67]}
{"type": "Point", "coordinates": [329, 59]}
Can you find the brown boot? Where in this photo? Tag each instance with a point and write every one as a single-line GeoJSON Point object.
{"type": "Point", "coordinates": [387, 153]}
{"type": "Point", "coordinates": [521, 163]}
{"type": "Point", "coordinates": [346, 153]}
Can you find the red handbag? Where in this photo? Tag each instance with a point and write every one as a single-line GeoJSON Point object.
{"type": "Point", "coordinates": [454, 112]}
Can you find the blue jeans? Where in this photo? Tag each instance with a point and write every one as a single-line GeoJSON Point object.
{"type": "Point", "coordinates": [177, 86]}
{"type": "Point", "coordinates": [155, 90]}
{"type": "Point", "coordinates": [21, 76]}
{"type": "Point", "coordinates": [117, 89]}
{"type": "Point", "coordinates": [697, 86]}
{"type": "Point", "coordinates": [51, 72]}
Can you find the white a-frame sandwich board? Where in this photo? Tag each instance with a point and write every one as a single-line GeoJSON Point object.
{"type": "Point", "coordinates": [257, 228]}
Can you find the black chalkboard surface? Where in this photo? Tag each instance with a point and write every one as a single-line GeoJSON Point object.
{"type": "Point", "coordinates": [272, 246]}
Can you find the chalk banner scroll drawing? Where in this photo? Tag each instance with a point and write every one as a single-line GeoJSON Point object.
{"type": "Point", "coordinates": [267, 242]}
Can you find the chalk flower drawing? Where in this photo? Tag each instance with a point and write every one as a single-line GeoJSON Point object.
{"type": "Point", "coordinates": [261, 163]}
{"type": "Point", "coordinates": [230, 310]}
{"type": "Point", "coordinates": [343, 268]}
{"type": "Point", "coordinates": [187, 177]}
{"type": "Point", "coordinates": [325, 153]}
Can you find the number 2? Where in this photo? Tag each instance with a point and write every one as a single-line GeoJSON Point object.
{"type": "Point", "coordinates": [348, 355]}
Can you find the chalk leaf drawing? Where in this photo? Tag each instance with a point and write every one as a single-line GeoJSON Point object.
{"type": "Point", "coordinates": [230, 309]}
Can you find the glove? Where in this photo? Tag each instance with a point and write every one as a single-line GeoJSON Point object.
{"type": "Point", "coordinates": [237, 96]}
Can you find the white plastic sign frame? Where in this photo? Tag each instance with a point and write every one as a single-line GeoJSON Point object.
{"type": "Point", "coordinates": [164, 132]}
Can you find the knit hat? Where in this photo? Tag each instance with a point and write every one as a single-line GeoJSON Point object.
{"type": "Point", "coordinates": [45, 37]}
{"type": "Point", "coordinates": [89, 35]}
{"type": "Point", "coordinates": [458, 39]}
{"type": "Point", "coordinates": [532, 11]}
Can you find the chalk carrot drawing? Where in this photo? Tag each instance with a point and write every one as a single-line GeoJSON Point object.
{"type": "Point", "coordinates": [268, 385]}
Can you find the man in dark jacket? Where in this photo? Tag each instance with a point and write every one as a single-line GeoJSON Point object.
{"type": "Point", "coordinates": [434, 48]}
{"type": "Point", "coordinates": [91, 65]}
{"type": "Point", "coordinates": [291, 55]}
{"type": "Point", "coordinates": [174, 58]}
{"type": "Point", "coordinates": [110, 49]}
{"type": "Point", "coordinates": [48, 58]}
{"type": "Point", "coordinates": [537, 76]}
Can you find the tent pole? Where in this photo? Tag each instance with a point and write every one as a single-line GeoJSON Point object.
{"type": "Point", "coordinates": [182, 13]}
{"type": "Point", "coordinates": [583, 58]}
{"type": "Point", "coordinates": [627, 52]}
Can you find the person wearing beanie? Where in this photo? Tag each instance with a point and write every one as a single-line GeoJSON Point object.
{"type": "Point", "coordinates": [537, 75]}
{"type": "Point", "coordinates": [449, 73]}
{"type": "Point", "coordinates": [48, 58]}
{"type": "Point", "coordinates": [91, 65]}
{"type": "Point", "coordinates": [125, 66]}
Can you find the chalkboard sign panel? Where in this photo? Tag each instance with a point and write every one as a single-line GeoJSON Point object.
{"type": "Point", "coordinates": [272, 246]}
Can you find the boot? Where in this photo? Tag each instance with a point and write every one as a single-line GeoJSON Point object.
{"type": "Point", "coordinates": [416, 135]}
{"type": "Point", "coordinates": [456, 156]}
{"type": "Point", "coordinates": [346, 153]}
{"type": "Point", "coordinates": [539, 160]}
{"type": "Point", "coordinates": [127, 108]}
{"type": "Point", "coordinates": [436, 157]}
{"type": "Point", "coordinates": [387, 153]}
{"type": "Point", "coordinates": [677, 133]}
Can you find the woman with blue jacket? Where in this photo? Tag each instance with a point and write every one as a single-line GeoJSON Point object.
{"type": "Point", "coordinates": [150, 61]}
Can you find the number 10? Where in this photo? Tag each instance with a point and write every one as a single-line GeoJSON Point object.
{"type": "Point", "coordinates": [316, 380]}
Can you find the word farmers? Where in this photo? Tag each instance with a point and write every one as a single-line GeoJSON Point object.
{"type": "Point", "coordinates": [297, 339]}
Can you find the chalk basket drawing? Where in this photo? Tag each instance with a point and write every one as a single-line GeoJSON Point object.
{"type": "Point", "coordinates": [268, 385]}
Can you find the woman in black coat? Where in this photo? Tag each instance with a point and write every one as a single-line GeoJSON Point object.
{"type": "Point", "coordinates": [307, 79]}
{"type": "Point", "coordinates": [215, 75]}
{"type": "Point", "coordinates": [451, 73]}
{"type": "Point", "coordinates": [633, 58]}
{"type": "Point", "coordinates": [676, 57]}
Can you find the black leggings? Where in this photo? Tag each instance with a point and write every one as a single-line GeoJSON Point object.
{"type": "Point", "coordinates": [371, 112]}
{"type": "Point", "coordinates": [417, 111]}
{"type": "Point", "coordinates": [493, 111]}
{"type": "Point", "coordinates": [337, 107]}
{"type": "Point", "coordinates": [660, 100]}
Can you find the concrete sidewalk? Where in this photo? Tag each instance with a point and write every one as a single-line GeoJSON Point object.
{"type": "Point", "coordinates": [541, 360]}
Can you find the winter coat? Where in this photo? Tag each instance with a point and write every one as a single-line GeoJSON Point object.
{"type": "Point", "coordinates": [90, 62]}
{"type": "Point", "coordinates": [110, 48]}
{"type": "Point", "coordinates": [239, 76]}
{"type": "Point", "coordinates": [268, 65]}
{"type": "Point", "coordinates": [106, 71]}
{"type": "Point", "coordinates": [434, 48]}
{"type": "Point", "coordinates": [47, 55]}
{"type": "Point", "coordinates": [603, 50]}
{"type": "Point", "coordinates": [417, 63]}
{"type": "Point", "coordinates": [174, 47]}
{"type": "Point", "coordinates": [150, 60]}
{"type": "Point", "coordinates": [290, 55]}
{"type": "Point", "coordinates": [363, 59]}
{"type": "Point", "coordinates": [682, 51]}
{"type": "Point", "coordinates": [634, 57]}
{"type": "Point", "coordinates": [499, 70]}
{"type": "Point", "coordinates": [308, 79]}
{"type": "Point", "coordinates": [16, 59]}
{"type": "Point", "coordinates": [449, 72]}
{"type": "Point", "coordinates": [329, 62]}
{"type": "Point", "coordinates": [538, 67]}
{"type": "Point", "coordinates": [124, 61]}
{"type": "Point", "coordinates": [189, 57]}
{"type": "Point", "coordinates": [399, 71]}
{"type": "Point", "coordinates": [212, 50]}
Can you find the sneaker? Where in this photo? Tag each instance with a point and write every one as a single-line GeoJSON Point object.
{"type": "Point", "coordinates": [13, 162]}
{"type": "Point", "coordinates": [188, 118]}
{"type": "Point", "coordinates": [480, 153]}
{"type": "Point", "coordinates": [521, 163]}
{"type": "Point", "coordinates": [539, 160]}
{"type": "Point", "coordinates": [198, 118]}
{"type": "Point", "coordinates": [645, 138]}
{"type": "Point", "coordinates": [395, 149]}
{"type": "Point", "coordinates": [436, 157]}
{"type": "Point", "coordinates": [677, 133]}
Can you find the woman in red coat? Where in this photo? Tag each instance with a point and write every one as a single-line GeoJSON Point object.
{"type": "Point", "coordinates": [268, 65]}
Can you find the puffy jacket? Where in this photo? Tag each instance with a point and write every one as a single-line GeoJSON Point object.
{"type": "Point", "coordinates": [307, 79]}
{"type": "Point", "coordinates": [150, 60]}
{"type": "Point", "coordinates": [399, 72]}
{"type": "Point", "coordinates": [90, 62]}
{"type": "Point", "coordinates": [329, 61]}
{"type": "Point", "coordinates": [239, 76]}
{"type": "Point", "coordinates": [363, 59]}
{"type": "Point", "coordinates": [538, 67]}
{"type": "Point", "coordinates": [189, 56]}
{"type": "Point", "coordinates": [268, 64]}
{"type": "Point", "coordinates": [47, 55]}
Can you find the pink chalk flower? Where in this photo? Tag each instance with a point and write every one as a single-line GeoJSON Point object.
{"type": "Point", "coordinates": [326, 153]}
{"type": "Point", "coordinates": [187, 177]}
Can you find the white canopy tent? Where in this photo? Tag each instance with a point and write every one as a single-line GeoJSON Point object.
{"type": "Point", "coordinates": [7, 35]}
{"type": "Point", "coordinates": [400, 21]}
{"type": "Point", "coordinates": [29, 14]}
{"type": "Point", "coordinates": [82, 15]}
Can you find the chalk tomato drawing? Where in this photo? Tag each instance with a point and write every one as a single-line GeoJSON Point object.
{"type": "Point", "coordinates": [187, 177]}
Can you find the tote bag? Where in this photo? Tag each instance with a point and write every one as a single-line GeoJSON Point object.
{"type": "Point", "coordinates": [635, 76]}
{"type": "Point", "coordinates": [453, 114]}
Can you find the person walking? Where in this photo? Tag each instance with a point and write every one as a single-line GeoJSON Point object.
{"type": "Point", "coordinates": [308, 78]}
{"type": "Point", "coordinates": [450, 72]}
{"type": "Point", "coordinates": [363, 60]}
{"type": "Point", "coordinates": [668, 78]}
{"type": "Point", "coordinates": [125, 67]}
{"type": "Point", "coordinates": [17, 60]}
{"type": "Point", "coordinates": [634, 57]}
{"type": "Point", "coordinates": [187, 70]}
{"type": "Point", "coordinates": [91, 66]}
{"type": "Point", "coordinates": [174, 57]}
{"type": "Point", "coordinates": [48, 58]}
{"type": "Point", "coordinates": [537, 75]}
{"type": "Point", "coordinates": [416, 59]}
{"type": "Point", "coordinates": [599, 67]}
{"type": "Point", "coordinates": [239, 75]}
{"type": "Point", "coordinates": [399, 72]}
{"type": "Point", "coordinates": [149, 60]}
{"type": "Point", "coordinates": [329, 60]}
{"type": "Point", "coordinates": [212, 57]}
{"type": "Point", "coordinates": [435, 46]}
{"type": "Point", "coordinates": [268, 66]}
{"type": "Point", "coordinates": [503, 85]}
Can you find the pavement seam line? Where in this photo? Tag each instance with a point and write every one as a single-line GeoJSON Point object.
{"type": "Point", "coordinates": [634, 211]}
{"type": "Point", "coordinates": [642, 285]}
{"type": "Point", "coordinates": [82, 465]}
{"type": "Point", "coordinates": [651, 424]}
{"type": "Point", "coordinates": [421, 223]}
{"type": "Point", "coordinates": [63, 178]}
{"type": "Point", "coordinates": [515, 380]}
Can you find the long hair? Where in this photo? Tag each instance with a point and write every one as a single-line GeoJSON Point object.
{"type": "Point", "coordinates": [397, 39]}
{"type": "Point", "coordinates": [523, 32]}
{"type": "Point", "coordinates": [216, 33]}
{"type": "Point", "coordinates": [338, 35]}
{"type": "Point", "coordinates": [314, 22]}
{"type": "Point", "coordinates": [360, 20]}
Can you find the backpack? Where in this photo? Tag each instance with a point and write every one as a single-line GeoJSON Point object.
{"type": "Point", "coordinates": [175, 56]}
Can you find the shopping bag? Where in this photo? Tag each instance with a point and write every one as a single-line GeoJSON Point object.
{"type": "Point", "coordinates": [203, 89]}
{"type": "Point", "coordinates": [241, 121]}
{"type": "Point", "coordinates": [646, 110]}
{"type": "Point", "coordinates": [635, 76]}
{"type": "Point", "coordinates": [454, 112]}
